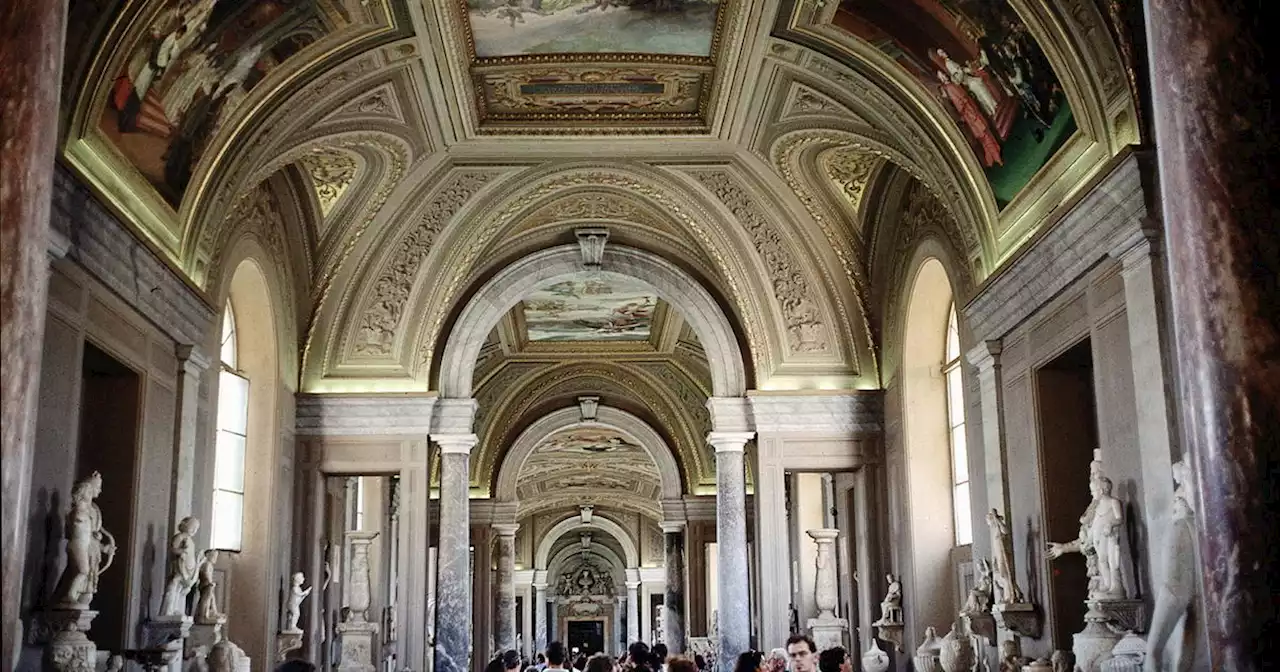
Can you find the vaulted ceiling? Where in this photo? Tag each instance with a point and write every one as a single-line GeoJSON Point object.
{"type": "Point", "coordinates": [387, 157]}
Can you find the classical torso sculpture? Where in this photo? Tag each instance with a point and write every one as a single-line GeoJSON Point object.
{"type": "Point", "coordinates": [1099, 539]}
{"type": "Point", "coordinates": [1002, 561]}
{"type": "Point", "coordinates": [90, 548]}
{"type": "Point", "coordinates": [183, 565]}
{"type": "Point", "coordinates": [207, 603]}
{"type": "Point", "coordinates": [293, 608]}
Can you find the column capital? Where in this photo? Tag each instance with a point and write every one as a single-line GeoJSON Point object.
{"type": "Point", "coordinates": [731, 414]}
{"type": "Point", "coordinates": [672, 526]}
{"type": "Point", "coordinates": [506, 529]}
{"type": "Point", "coordinates": [455, 443]}
{"type": "Point", "coordinates": [191, 356]}
{"type": "Point", "coordinates": [986, 355]}
{"type": "Point", "coordinates": [453, 416]}
{"type": "Point", "coordinates": [1137, 246]}
{"type": "Point", "coordinates": [729, 442]}
{"type": "Point", "coordinates": [633, 586]}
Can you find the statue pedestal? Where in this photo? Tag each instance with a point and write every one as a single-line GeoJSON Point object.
{"type": "Point", "coordinates": [203, 636]}
{"type": "Point", "coordinates": [168, 634]}
{"type": "Point", "coordinates": [66, 646]}
{"type": "Point", "coordinates": [286, 641]}
{"type": "Point", "coordinates": [982, 623]}
{"type": "Point", "coordinates": [828, 632]}
{"type": "Point", "coordinates": [1092, 646]}
{"type": "Point", "coordinates": [1125, 615]}
{"type": "Point", "coordinates": [357, 640]}
{"type": "Point", "coordinates": [1019, 617]}
{"type": "Point", "coordinates": [890, 631]}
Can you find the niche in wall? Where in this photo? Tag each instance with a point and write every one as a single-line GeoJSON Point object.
{"type": "Point", "coordinates": [1068, 426]}
{"type": "Point", "coordinates": [110, 404]}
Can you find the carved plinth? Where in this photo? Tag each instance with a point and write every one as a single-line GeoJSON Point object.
{"type": "Point", "coordinates": [1019, 617]}
{"type": "Point", "coordinates": [828, 632]}
{"type": "Point", "coordinates": [983, 624]}
{"type": "Point", "coordinates": [1124, 615]}
{"type": "Point", "coordinates": [203, 636]}
{"type": "Point", "coordinates": [287, 641]}
{"type": "Point", "coordinates": [890, 631]}
{"type": "Point", "coordinates": [1092, 646]}
{"type": "Point", "coordinates": [168, 634]}
{"type": "Point", "coordinates": [66, 646]}
{"type": "Point", "coordinates": [1128, 655]}
{"type": "Point", "coordinates": [357, 643]}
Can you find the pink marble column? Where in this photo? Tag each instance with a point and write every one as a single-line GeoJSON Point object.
{"type": "Point", "coordinates": [31, 36]}
{"type": "Point", "coordinates": [1214, 86]}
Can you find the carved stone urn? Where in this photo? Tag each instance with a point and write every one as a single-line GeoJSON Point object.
{"type": "Point", "coordinates": [928, 655]}
{"type": "Point", "coordinates": [875, 659]}
{"type": "Point", "coordinates": [957, 654]}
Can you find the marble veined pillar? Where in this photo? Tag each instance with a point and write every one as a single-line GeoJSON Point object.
{"type": "Point", "coordinates": [505, 632]}
{"type": "Point", "coordinates": [673, 598]}
{"type": "Point", "coordinates": [540, 614]}
{"type": "Point", "coordinates": [633, 611]}
{"type": "Point", "coordinates": [731, 543]}
{"type": "Point", "coordinates": [453, 573]}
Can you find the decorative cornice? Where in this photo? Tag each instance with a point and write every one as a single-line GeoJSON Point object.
{"type": "Point", "coordinates": [341, 415]}
{"type": "Point", "coordinates": [829, 415]}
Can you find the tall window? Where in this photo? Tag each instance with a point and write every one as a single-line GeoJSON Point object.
{"type": "Point", "coordinates": [955, 421]}
{"type": "Point", "coordinates": [228, 461]}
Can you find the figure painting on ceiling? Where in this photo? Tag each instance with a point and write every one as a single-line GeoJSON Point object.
{"type": "Point", "coordinates": [585, 308]}
{"type": "Point", "coordinates": [513, 27]}
{"type": "Point", "coordinates": [188, 73]}
{"type": "Point", "coordinates": [988, 71]}
{"type": "Point", "coordinates": [590, 441]}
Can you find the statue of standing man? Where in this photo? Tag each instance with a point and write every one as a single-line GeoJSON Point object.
{"type": "Point", "coordinates": [183, 565]}
{"type": "Point", "coordinates": [90, 548]}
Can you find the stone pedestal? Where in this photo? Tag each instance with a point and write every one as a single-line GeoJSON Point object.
{"type": "Point", "coordinates": [287, 641]}
{"type": "Point", "coordinates": [1019, 617]}
{"type": "Point", "coordinates": [1092, 646]}
{"type": "Point", "coordinates": [62, 633]}
{"type": "Point", "coordinates": [168, 633]}
{"type": "Point", "coordinates": [357, 642]}
{"type": "Point", "coordinates": [203, 636]}
{"type": "Point", "coordinates": [827, 630]}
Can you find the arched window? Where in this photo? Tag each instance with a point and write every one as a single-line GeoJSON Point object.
{"type": "Point", "coordinates": [960, 500]}
{"type": "Point", "coordinates": [227, 525]}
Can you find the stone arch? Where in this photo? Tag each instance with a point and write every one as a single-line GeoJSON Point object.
{"type": "Point", "coordinates": [631, 427]}
{"type": "Point", "coordinates": [630, 552]}
{"type": "Point", "coordinates": [615, 563]}
{"type": "Point", "coordinates": [673, 284]}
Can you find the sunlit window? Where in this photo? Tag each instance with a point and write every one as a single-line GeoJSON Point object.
{"type": "Point", "coordinates": [955, 421]}
{"type": "Point", "coordinates": [228, 462]}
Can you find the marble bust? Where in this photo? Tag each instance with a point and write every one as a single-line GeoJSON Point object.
{"type": "Point", "coordinates": [90, 548]}
{"type": "Point", "coordinates": [1099, 539]}
{"type": "Point", "coordinates": [183, 565]}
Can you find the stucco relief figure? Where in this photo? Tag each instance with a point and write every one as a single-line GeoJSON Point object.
{"type": "Point", "coordinates": [90, 548]}
{"type": "Point", "coordinates": [1176, 592]}
{"type": "Point", "coordinates": [207, 602]}
{"type": "Point", "coordinates": [891, 605]}
{"type": "Point", "coordinates": [293, 607]}
{"type": "Point", "coordinates": [1099, 539]}
{"type": "Point", "coordinates": [1002, 561]}
{"type": "Point", "coordinates": [183, 566]}
{"type": "Point", "coordinates": [979, 599]}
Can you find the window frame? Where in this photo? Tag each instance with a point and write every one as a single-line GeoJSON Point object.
{"type": "Point", "coordinates": [222, 537]}
{"type": "Point", "coordinates": [956, 422]}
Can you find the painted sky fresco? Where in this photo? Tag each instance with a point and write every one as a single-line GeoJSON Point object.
{"type": "Point", "coordinates": [187, 74]}
{"type": "Point", "coordinates": [986, 69]}
{"type": "Point", "coordinates": [589, 307]}
{"type": "Point", "coordinates": [516, 27]}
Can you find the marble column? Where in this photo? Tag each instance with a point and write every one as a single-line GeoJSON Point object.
{"type": "Point", "coordinates": [617, 647]}
{"type": "Point", "coordinates": [191, 366]}
{"type": "Point", "coordinates": [633, 611]}
{"type": "Point", "coordinates": [31, 36]}
{"type": "Point", "coordinates": [453, 562]}
{"type": "Point", "coordinates": [775, 559]}
{"type": "Point", "coordinates": [867, 560]}
{"type": "Point", "coordinates": [1213, 73]}
{"type": "Point", "coordinates": [673, 597]}
{"type": "Point", "coordinates": [986, 359]}
{"type": "Point", "coordinates": [505, 630]}
{"type": "Point", "coordinates": [540, 614]}
{"type": "Point", "coordinates": [731, 543]}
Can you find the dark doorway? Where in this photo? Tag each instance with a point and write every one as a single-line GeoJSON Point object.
{"type": "Point", "coordinates": [110, 399]}
{"type": "Point", "coordinates": [1068, 437]}
{"type": "Point", "coordinates": [586, 637]}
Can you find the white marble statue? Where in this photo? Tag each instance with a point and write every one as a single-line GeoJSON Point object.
{"type": "Point", "coordinates": [1101, 529]}
{"type": "Point", "coordinates": [979, 599]}
{"type": "Point", "coordinates": [90, 548]}
{"type": "Point", "coordinates": [1004, 581]}
{"type": "Point", "coordinates": [183, 566]}
{"type": "Point", "coordinates": [293, 606]}
{"type": "Point", "coordinates": [891, 605]}
{"type": "Point", "coordinates": [207, 602]}
{"type": "Point", "coordinates": [1176, 592]}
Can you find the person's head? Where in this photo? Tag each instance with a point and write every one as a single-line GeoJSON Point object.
{"type": "Point", "coordinates": [600, 663]}
{"type": "Point", "coordinates": [540, 658]}
{"type": "Point", "coordinates": [659, 652]}
{"type": "Point", "coordinates": [296, 665]}
{"type": "Point", "coordinates": [776, 661]}
{"type": "Point", "coordinates": [510, 660]}
{"type": "Point", "coordinates": [638, 653]}
{"type": "Point", "coordinates": [748, 661]}
{"type": "Point", "coordinates": [495, 665]}
{"type": "Point", "coordinates": [555, 654]}
{"type": "Point", "coordinates": [832, 660]}
{"type": "Point", "coordinates": [682, 664]}
{"type": "Point", "coordinates": [801, 650]}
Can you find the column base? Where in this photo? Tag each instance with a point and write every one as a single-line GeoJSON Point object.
{"type": "Point", "coordinates": [357, 643]}
{"type": "Point", "coordinates": [828, 633]}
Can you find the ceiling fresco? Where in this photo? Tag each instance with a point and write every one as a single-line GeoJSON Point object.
{"type": "Point", "coordinates": [590, 308]}
{"type": "Point", "coordinates": [513, 27]}
{"type": "Point", "coordinates": [597, 461]}
{"type": "Point", "coordinates": [992, 77]}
